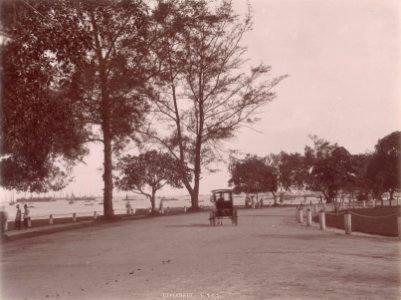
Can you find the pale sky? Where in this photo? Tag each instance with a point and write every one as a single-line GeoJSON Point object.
{"type": "Point", "coordinates": [344, 62]}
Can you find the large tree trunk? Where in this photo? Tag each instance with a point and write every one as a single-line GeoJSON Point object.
{"type": "Point", "coordinates": [197, 163]}
{"type": "Point", "coordinates": [107, 140]}
{"type": "Point", "coordinates": [153, 201]}
{"type": "Point", "coordinates": [105, 124]}
{"type": "Point", "coordinates": [391, 196]}
{"type": "Point", "coordinates": [108, 163]}
{"type": "Point", "coordinates": [195, 190]}
{"type": "Point", "coordinates": [108, 180]}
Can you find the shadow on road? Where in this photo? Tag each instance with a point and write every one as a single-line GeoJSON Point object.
{"type": "Point", "coordinates": [190, 225]}
{"type": "Point", "coordinates": [304, 237]}
{"type": "Point", "coordinates": [270, 216]}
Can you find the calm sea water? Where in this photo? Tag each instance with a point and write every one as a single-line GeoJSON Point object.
{"type": "Point", "coordinates": [63, 208]}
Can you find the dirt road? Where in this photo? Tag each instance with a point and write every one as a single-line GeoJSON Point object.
{"type": "Point", "coordinates": [267, 256]}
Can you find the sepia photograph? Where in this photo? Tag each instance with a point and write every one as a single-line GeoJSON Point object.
{"type": "Point", "coordinates": [200, 149]}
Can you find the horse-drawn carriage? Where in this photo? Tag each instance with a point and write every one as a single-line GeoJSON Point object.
{"type": "Point", "coordinates": [223, 207]}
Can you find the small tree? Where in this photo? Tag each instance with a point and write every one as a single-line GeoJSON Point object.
{"type": "Point", "coordinates": [359, 186]}
{"type": "Point", "coordinates": [291, 169]}
{"type": "Point", "coordinates": [149, 172]}
{"type": "Point", "coordinates": [253, 175]}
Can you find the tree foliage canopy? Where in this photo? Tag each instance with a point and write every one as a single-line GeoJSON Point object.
{"type": "Point", "coordinates": [330, 168]}
{"type": "Point", "coordinates": [291, 170]}
{"type": "Point", "coordinates": [39, 130]}
{"type": "Point", "coordinates": [252, 175]}
{"type": "Point", "coordinates": [76, 72]}
{"type": "Point", "coordinates": [383, 171]}
{"type": "Point", "coordinates": [148, 173]}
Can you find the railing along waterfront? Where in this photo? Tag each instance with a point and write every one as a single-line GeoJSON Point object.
{"type": "Point", "coordinates": [388, 224]}
{"type": "Point", "coordinates": [66, 218]}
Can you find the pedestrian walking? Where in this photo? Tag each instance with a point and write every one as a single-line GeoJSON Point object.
{"type": "Point", "coordinates": [27, 217]}
{"type": "Point", "coordinates": [18, 218]}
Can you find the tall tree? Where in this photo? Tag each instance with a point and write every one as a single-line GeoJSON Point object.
{"type": "Point", "coordinates": [329, 167]}
{"type": "Point", "coordinates": [147, 173]}
{"type": "Point", "coordinates": [384, 168]}
{"type": "Point", "coordinates": [104, 82]}
{"type": "Point", "coordinates": [204, 96]}
{"type": "Point", "coordinates": [110, 81]}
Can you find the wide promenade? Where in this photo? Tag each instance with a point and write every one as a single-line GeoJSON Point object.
{"type": "Point", "coordinates": [267, 256]}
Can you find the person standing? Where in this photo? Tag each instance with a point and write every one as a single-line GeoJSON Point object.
{"type": "Point", "coordinates": [18, 218]}
{"type": "Point", "coordinates": [161, 206]}
{"type": "Point", "coordinates": [27, 218]}
{"type": "Point", "coordinates": [253, 204]}
{"type": "Point", "coordinates": [3, 220]}
{"type": "Point", "coordinates": [128, 207]}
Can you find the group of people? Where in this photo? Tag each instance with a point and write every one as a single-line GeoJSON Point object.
{"type": "Point", "coordinates": [252, 202]}
{"type": "Point", "coordinates": [25, 216]}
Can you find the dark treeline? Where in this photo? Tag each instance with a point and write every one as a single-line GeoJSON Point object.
{"type": "Point", "coordinates": [324, 167]}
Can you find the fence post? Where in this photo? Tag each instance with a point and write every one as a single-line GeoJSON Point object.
{"type": "Point", "coordinates": [300, 215]}
{"type": "Point", "coordinates": [74, 217]}
{"type": "Point", "coordinates": [364, 204]}
{"type": "Point", "coordinates": [374, 203]}
{"type": "Point", "coordinates": [309, 217]}
{"type": "Point", "coordinates": [51, 219]}
{"type": "Point", "coordinates": [185, 209]}
{"type": "Point", "coordinates": [322, 220]}
{"type": "Point", "coordinates": [399, 227]}
{"type": "Point", "coordinates": [347, 223]}
{"type": "Point", "coordinates": [133, 211]}
{"type": "Point", "coordinates": [5, 226]}
{"type": "Point", "coordinates": [95, 215]}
